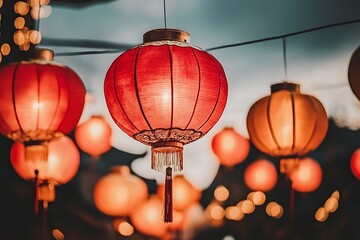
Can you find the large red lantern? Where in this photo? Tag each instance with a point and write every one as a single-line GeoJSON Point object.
{"type": "Point", "coordinates": [287, 124]}
{"type": "Point", "coordinates": [94, 136]}
{"type": "Point", "coordinates": [307, 178]}
{"type": "Point", "coordinates": [39, 99]}
{"type": "Point", "coordinates": [354, 73]}
{"type": "Point", "coordinates": [260, 175]}
{"type": "Point", "coordinates": [118, 193]}
{"type": "Point", "coordinates": [230, 147]}
{"type": "Point", "coordinates": [59, 167]}
{"type": "Point", "coordinates": [166, 93]}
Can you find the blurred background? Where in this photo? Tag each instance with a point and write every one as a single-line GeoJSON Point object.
{"type": "Point", "coordinates": [87, 35]}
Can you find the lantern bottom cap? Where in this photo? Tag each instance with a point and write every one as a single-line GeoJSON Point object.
{"type": "Point", "coordinates": [167, 154]}
{"type": "Point", "coordinates": [288, 165]}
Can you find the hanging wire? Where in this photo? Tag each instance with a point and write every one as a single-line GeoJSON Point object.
{"type": "Point", "coordinates": [38, 22]}
{"type": "Point", "coordinates": [165, 13]}
{"type": "Point", "coordinates": [228, 45]}
{"type": "Point", "coordinates": [284, 56]}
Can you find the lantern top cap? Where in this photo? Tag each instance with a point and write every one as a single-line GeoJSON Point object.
{"type": "Point", "coordinates": [292, 87]}
{"type": "Point", "coordinates": [44, 54]}
{"type": "Point", "coordinates": [164, 34]}
{"type": "Point", "coordinates": [121, 169]}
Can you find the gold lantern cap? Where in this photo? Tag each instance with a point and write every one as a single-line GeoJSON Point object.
{"type": "Point", "coordinates": [166, 34]}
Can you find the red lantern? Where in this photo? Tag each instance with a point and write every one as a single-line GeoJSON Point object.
{"type": "Point", "coordinates": [58, 166]}
{"type": "Point", "coordinates": [354, 73]}
{"type": "Point", "coordinates": [93, 136]}
{"type": "Point", "coordinates": [118, 193]}
{"type": "Point", "coordinates": [355, 163]}
{"type": "Point", "coordinates": [287, 124]}
{"type": "Point", "coordinates": [165, 93]}
{"type": "Point", "coordinates": [307, 178]}
{"type": "Point", "coordinates": [39, 100]}
{"type": "Point", "coordinates": [230, 147]}
{"type": "Point", "coordinates": [260, 175]}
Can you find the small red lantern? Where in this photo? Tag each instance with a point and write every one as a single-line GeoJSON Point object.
{"type": "Point", "coordinates": [118, 193]}
{"type": "Point", "coordinates": [287, 124]}
{"type": "Point", "coordinates": [166, 93]}
{"type": "Point", "coordinates": [58, 166]}
{"type": "Point", "coordinates": [354, 73]}
{"type": "Point", "coordinates": [355, 163]}
{"type": "Point", "coordinates": [230, 147]}
{"type": "Point", "coordinates": [39, 99]}
{"type": "Point", "coordinates": [307, 178]}
{"type": "Point", "coordinates": [260, 175]}
{"type": "Point", "coordinates": [94, 136]}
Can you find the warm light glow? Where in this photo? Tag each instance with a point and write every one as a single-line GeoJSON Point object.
{"type": "Point", "coordinates": [19, 38]}
{"type": "Point", "coordinates": [247, 207]}
{"type": "Point", "coordinates": [19, 22]}
{"type": "Point", "coordinates": [21, 8]}
{"type": "Point", "coordinates": [147, 217]}
{"type": "Point", "coordinates": [321, 214]}
{"type": "Point", "coordinates": [35, 37]}
{"type": "Point", "coordinates": [125, 229]}
{"type": "Point", "coordinates": [5, 49]}
{"type": "Point", "coordinates": [336, 195]}
{"type": "Point", "coordinates": [217, 212]}
{"type": "Point", "coordinates": [234, 213]}
{"type": "Point", "coordinates": [34, 3]}
{"type": "Point", "coordinates": [307, 177]}
{"type": "Point", "coordinates": [230, 147]}
{"type": "Point", "coordinates": [1, 3]}
{"type": "Point", "coordinates": [273, 209]}
{"type": "Point", "coordinates": [355, 163]}
{"type": "Point", "coordinates": [58, 235]}
{"type": "Point", "coordinates": [258, 197]}
{"type": "Point", "coordinates": [45, 11]}
{"type": "Point", "coordinates": [221, 193]}
{"type": "Point", "coordinates": [38, 105]}
{"type": "Point", "coordinates": [260, 175]}
{"type": "Point", "coordinates": [331, 204]}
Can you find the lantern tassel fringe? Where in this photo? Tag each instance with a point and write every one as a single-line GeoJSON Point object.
{"type": "Point", "coordinates": [167, 157]}
{"type": "Point", "coordinates": [168, 215]}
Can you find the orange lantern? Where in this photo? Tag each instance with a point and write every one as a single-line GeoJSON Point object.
{"type": "Point", "coordinates": [355, 163]}
{"type": "Point", "coordinates": [260, 175]}
{"type": "Point", "coordinates": [354, 73]}
{"type": "Point", "coordinates": [184, 193]}
{"type": "Point", "coordinates": [307, 178]}
{"type": "Point", "coordinates": [147, 217]}
{"type": "Point", "coordinates": [230, 147]}
{"type": "Point", "coordinates": [118, 193]}
{"type": "Point", "coordinates": [287, 124]}
{"type": "Point", "coordinates": [59, 167]}
{"type": "Point", "coordinates": [94, 136]}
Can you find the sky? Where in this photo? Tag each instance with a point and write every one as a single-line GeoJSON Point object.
{"type": "Point", "coordinates": [318, 60]}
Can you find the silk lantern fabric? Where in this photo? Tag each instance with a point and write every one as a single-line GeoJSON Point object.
{"type": "Point", "coordinates": [39, 99]}
{"type": "Point", "coordinates": [287, 123]}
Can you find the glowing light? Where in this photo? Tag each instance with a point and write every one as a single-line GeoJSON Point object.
{"type": "Point", "coordinates": [336, 195]}
{"type": "Point", "coordinates": [21, 8]}
{"type": "Point", "coordinates": [247, 207]}
{"type": "Point", "coordinates": [125, 229]}
{"type": "Point", "coordinates": [58, 235]}
{"type": "Point", "coordinates": [260, 175]}
{"type": "Point", "coordinates": [37, 105]}
{"type": "Point", "coordinates": [234, 213]}
{"type": "Point", "coordinates": [221, 193]}
{"type": "Point", "coordinates": [19, 38]}
{"type": "Point", "coordinates": [35, 37]}
{"type": "Point", "coordinates": [321, 214]}
{"type": "Point", "coordinates": [45, 11]}
{"type": "Point", "coordinates": [5, 49]}
{"type": "Point", "coordinates": [273, 209]}
{"type": "Point", "coordinates": [1, 3]}
{"type": "Point", "coordinates": [331, 204]}
{"type": "Point", "coordinates": [258, 197]}
{"type": "Point", "coordinates": [307, 177]}
{"type": "Point", "coordinates": [19, 22]}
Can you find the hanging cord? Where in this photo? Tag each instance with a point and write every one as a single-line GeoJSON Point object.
{"type": "Point", "coordinates": [165, 13]}
{"type": "Point", "coordinates": [36, 200]}
{"type": "Point", "coordinates": [284, 56]}
{"type": "Point", "coordinates": [38, 22]}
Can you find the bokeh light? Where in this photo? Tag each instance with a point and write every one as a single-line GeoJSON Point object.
{"type": "Point", "coordinates": [21, 8]}
{"type": "Point", "coordinates": [221, 193]}
{"type": "Point", "coordinates": [321, 214]}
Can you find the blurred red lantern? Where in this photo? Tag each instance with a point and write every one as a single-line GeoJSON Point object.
{"type": "Point", "coordinates": [307, 178]}
{"type": "Point", "coordinates": [354, 73]}
{"type": "Point", "coordinates": [260, 175]}
{"type": "Point", "coordinates": [355, 163]}
{"type": "Point", "coordinates": [230, 147]}
{"type": "Point", "coordinates": [39, 99]}
{"type": "Point", "coordinates": [287, 124]}
{"type": "Point", "coordinates": [147, 217]}
{"type": "Point", "coordinates": [118, 193]}
{"type": "Point", "coordinates": [184, 193]}
{"type": "Point", "coordinates": [94, 136]}
{"type": "Point", "coordinates": [59, 166]}
{"type": "Point", "coordinates": [166, 93]}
